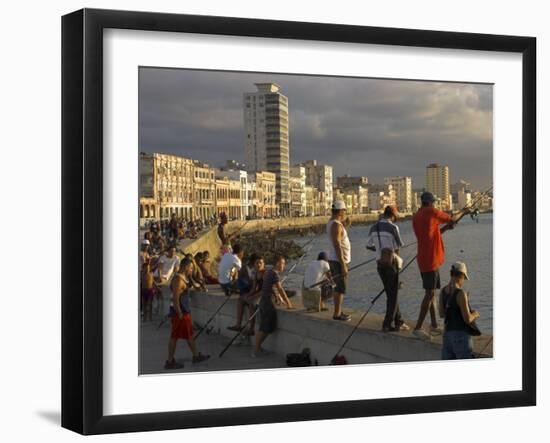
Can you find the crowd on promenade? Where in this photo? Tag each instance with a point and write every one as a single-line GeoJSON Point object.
{"type": "Point", "coordinates": [166, 277]}
{"type": "Point", "coordinates": [179, 228]}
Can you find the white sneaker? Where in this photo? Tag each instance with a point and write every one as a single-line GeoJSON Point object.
{"type": "Point", "coordinates": [404, 327]}
{"type": "Point", "coordinates": [422, 335]}
{"type": "Point", "coordinates": [436, 331]}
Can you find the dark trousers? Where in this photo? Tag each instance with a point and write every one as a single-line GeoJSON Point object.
{"type": "Point", "coordinates": [390, 279]}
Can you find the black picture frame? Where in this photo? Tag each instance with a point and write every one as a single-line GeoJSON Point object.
{"type": "Point", "coordinates": [82, 218]}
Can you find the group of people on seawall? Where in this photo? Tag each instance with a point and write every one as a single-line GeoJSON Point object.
{"type": "Point", "coordinates": [260, 288]}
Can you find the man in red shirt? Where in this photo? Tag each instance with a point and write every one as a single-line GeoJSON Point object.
{"type": "Point", "coordinates": [430, 256]}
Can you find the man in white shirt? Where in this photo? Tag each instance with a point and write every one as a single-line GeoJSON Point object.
{"type": "Point", "coordinates": [230, 266]}
{"type": "Point", "coordinates": [317, 284]}
{"type": "Point", "coordinates": [166, 266]}
{"type": "Point", "coordinates": [385, 239]}
{"type": "Point", "coordinates": [339, 257]}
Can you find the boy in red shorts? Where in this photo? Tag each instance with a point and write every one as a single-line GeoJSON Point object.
{"type": "Point", "coordinates": [182, 323]}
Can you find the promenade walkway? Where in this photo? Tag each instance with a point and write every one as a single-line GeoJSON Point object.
{"type": "Point", "coordinates": [297, 329]}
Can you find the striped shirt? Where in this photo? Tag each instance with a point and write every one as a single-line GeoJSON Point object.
{"type": "Point", "coordinates": [384, 235]}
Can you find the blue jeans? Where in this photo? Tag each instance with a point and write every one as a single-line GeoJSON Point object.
{"type": "Point", "coordinates": [456, 345]}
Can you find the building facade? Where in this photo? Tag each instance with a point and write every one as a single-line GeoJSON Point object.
{"type": "Point", "coordinates": [297, 191]}
{"type": "Point", "coordinates": [222, 195]}
{"type": "Point", "coordinates": [166, 186]}
{"type": "Point", "coordinates": [267, 137]}
{"type": "Point", "coordinates": [204, 190]}
{"type": "Point", "coordinates": [320, 177]}
{"type": "Point", "coordinates": [356, 198]}
{"type": "Point", "coordinates": [346, 181]}
{"type": "Point", "coordinates": [240, 176]}
{"type": "Point", "coordinates": [380, 196]}
{"type": "Point", "coordinates": [463, 198]}
{"type": "Point", "coordinates": [403, 192]}
{"type": "Point", "coordinates": [266, 194]}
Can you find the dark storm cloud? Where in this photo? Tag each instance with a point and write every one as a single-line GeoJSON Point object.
{"type": "Point", "coordinates": [360, 126]}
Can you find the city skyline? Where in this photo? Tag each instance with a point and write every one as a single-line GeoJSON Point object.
{"type": "Point", "coordinates": [383, 127]}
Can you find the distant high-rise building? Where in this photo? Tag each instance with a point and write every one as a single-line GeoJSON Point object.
{"type": "Point", "coordinates": [459, 191]}
{"type": "Point", "coordinates": [461, 185]}
{"type": "Point", "coordinates": [320, 177]}
{"type": "Point", "coordinates": [403, 192]}
{"type": "Point", "coordinates": [266, 137]}
{"type": "Point", "coordinates": [437, 182]}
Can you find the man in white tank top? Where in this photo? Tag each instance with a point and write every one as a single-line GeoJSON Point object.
{"type": "Point", "coordinates": [339, 256]}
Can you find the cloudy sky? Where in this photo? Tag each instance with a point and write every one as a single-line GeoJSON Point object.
{"type": "Point", "coordinates": [360, 126]}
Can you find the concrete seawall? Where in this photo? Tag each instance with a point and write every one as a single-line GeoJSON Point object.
{"type": "Point", "coordinates": [293, 223]}
{"type": "Point", "coordinates": [209, 240]}
{"type": "Point", "coordinates": [298, 329]}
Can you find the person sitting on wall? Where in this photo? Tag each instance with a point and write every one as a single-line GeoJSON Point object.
{"type": "Point", "coordinates": [249, 299]}
{"type": "Point", "coordinates": [205, 266]}
{"type": "Point", "coordinates": [230, 265]}
{"type": "Point", "coordinates": [317, 284]}
{"type": "Point", "coordinates": [197, 282]}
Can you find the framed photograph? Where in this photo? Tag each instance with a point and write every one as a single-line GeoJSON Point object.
{"type": "Point", "coordinates": [269, 221]}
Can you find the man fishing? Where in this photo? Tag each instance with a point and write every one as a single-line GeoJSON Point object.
{"type": "Point", "coordinates": [271, 287]}
{"type": "Point", "coordinates": [339, 256]}
{"type": "Point", "coordinates": [224, 238]}
{"type": "Point", "coordinates": [230, 265]}
{"type": "Point", "coordinates": [385, 239]}
{"type": "Point", "coordinates": [430, 256]}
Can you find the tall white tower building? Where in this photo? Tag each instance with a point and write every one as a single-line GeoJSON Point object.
{"type": "Point", "coordinates": [266, 137]}
{"type": "Point", "coordinates": [437, 182]}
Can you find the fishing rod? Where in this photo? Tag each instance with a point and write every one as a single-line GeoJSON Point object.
{"type": "Point", "coordinates": [373, 301]}
{"type": "Point", "coordinates": [399, 273]}
{"type": "Point", "coordinates": [366, 262]}
{"type": "Point", "coordinates": [476, 201]}
{"type": "Point", "coordinates": [255, 313]}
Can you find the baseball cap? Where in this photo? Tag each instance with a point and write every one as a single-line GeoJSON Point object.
{"type": "Point", "coordinates": [145, 242]}
{"type": "Point", "coordinates": [427, 197]}
{"type": "Point", "coordinates": [460, 267]}
{"type": "Point", "coordinates": [338, 205]}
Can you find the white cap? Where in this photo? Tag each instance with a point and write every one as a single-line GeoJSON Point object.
{"type": "Point", "coordinates": [338, 205]}
{"type": "Point", "coordinates": [460, 267]}
{"type": "Point", "coordinates": [145, 242]}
